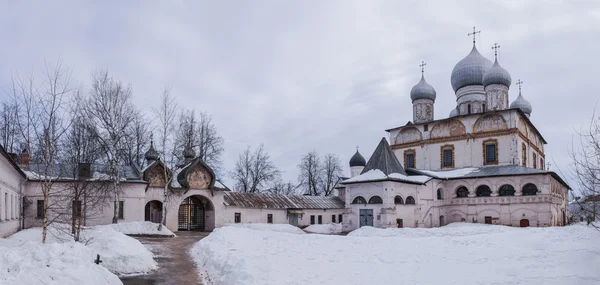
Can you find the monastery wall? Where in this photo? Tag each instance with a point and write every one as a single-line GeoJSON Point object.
{"type": "Point", "coordinates": [10, 198]}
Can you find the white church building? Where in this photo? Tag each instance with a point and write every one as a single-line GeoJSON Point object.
{"type": "Point", "coordinates": [482, 164]}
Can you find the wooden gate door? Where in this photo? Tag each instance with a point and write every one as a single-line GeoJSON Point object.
{"type": "Point", "coordinates": [294, 219]}
{"type": "Point", "coordinates": [366, 217]}
{"type": "Point", "coordinates": [524, 223]}
{"type": "Point", "coordinates": [191, 215]}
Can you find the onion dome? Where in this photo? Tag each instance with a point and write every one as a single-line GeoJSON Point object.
{"type": "Point", "coordinates": [522, 104]}
{"type": "Point", "coordinates": [152, 154]}
{"type": "Point", "coordinates": [470, 70]}
{"type": "Point", "coordinates": [422, 91]}
{"type": "Point", "coordinates": [496, 75]}
{"type": "Point", "coordinates": [357, 160]}
{"type": "Point", "coordinates": [189, 152]}
{"type": "Point", "coordinates": [453, 113]}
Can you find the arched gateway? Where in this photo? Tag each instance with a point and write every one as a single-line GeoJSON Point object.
{"type": "Point", "coordinates": [194, 212]}
{"type": "Point", "coordinates": [153, 211]}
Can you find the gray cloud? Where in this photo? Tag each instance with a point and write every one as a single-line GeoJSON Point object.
{"type": "Point", "coordinates": [324, 75]}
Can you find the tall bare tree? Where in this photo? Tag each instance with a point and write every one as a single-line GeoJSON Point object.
{"type": "Point", "coordinates": [284, 188]}
{"type": "Point", "coordinates": [309, 178]}
{"type": "Point", "coordinates": [254, 171]}
{"type": "Point", "coordinates": [111, 110]}
{"type": "Point", "coordinates": [44, 121]}
{"type": "Point", "coordinates": [137, 140]}
{"type": "Point", "coordinates": [210, 143]}
{"type": "Point", "coordinates": [166, 115]}
{"type": "Point", "coordinates": [330, 173]}
{"type": "Point", "coordinates": [585, 169]}
{"type": "Point", "coordinates": [9, 127]}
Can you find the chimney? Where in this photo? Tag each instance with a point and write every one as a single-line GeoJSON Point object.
{"type": "Point", "coordinates": [24, 158]}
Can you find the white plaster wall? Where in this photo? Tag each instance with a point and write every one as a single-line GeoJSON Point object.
{"type": "Point", "coordinates": [10, 198]}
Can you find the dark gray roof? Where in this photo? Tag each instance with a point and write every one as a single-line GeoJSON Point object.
{"type": "Point", "coordinates": [357, 160]}
{"type": "Point", "coordinates": [278, 201]}
{"type": "Point", "coordinates": [384, 159]}
{"type": "Point", "coordinates": [98, 172]}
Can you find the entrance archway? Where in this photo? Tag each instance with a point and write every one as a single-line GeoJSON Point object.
{"type": "Point", "coordinates": [153, 211]}
{"type": "Point", "coordinates": [524, 223]}
{"type": "Point", "coordinates": [441, 221]}
{"type": "Point", "coordinates": [193, 213]}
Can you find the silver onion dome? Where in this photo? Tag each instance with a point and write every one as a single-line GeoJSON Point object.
{"type": "Point", "coordinates": [453, 113]}
{"type": "Point", "coordinates": [357, 160]}
{"type": "Point", "coordinates": [496, 75]}
{"type": "Point", "coordinates": [152, 154]}
{"type": "Point", "coordinates": [522, 104]}
{"type": "Point", "coordinates": [422, 91]}
{"type": "Point", "coordinates": [470, 70]}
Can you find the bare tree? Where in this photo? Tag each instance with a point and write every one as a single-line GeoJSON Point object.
{"type": "Point", "coordinates": [254, 170]}
{"type": "Point", "coordinates": [187, 136]}
{"type": "Point", "coordinates": [9, 133]}
{"type": "Point", "coordinates": [284, 188]}
{"type": "Point", "coordinates": [43, 118]}
{"type": "Point", "coordinates": [110, 109]}
{"type": "Point", "coordinates": [330, 173]}
{"type": "Point", "coordinates": [586, 169]}
{"type": "Point", "coordinates": [309, 178]}
{"type": "Point", "coordinates": [166, 118]}
{"type": "Point", "coordinates": [210, 143]}
{"type": "Point", "coordinates": [137, 140]}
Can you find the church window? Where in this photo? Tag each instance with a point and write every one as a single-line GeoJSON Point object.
{"type": "Point", "coordinates": [507, 190]}
{"type": "Point", "coordinates": [312, 219]}
{"type": "Point", "coordinates": [40, 209]}
{"type": "Point", "coordinates": [333, 218]}
{"type": "Point", "coordinates": [490, 152]}
{"type": "Point", "coordinates": [426, 127]}
{"type": "Point", "coordinates": [237, 218]}
{"type": "Point", "coordinates": [121, 210]}
{"type": "Point", "coordinates": [483, 191]}
{"type": "Point", "coordinates": [541, 163]}
{"type": "Point", "coordinates": [534, 160]}
{"type": "Point", "coordinates": [76, 204]}
{"type": "Point", "coordinates": [269, 218]}
{"type": "Point", "coordinates": [375, 200]}
{"type": "Point", "coordinates": [399, 223]}
{"type": "Point", "coordinates": [483, 107]}
{"type": "Point", "coordinates": [409, 158]}
{"type": "Point", "coordinates": [320, 219]}
{"type": "Point", "coordinates": [447, 156]}
{"type": "Point", "coordinates": [469, 109]}
{"type": "Point", "coordinates": [359, 200]}
{"type": "Point", "coordinates": [410, 200]}
{"type": "Point", "coordinates": [462, 192]}
{"type": "Point", "coordinates": [439, 194]}
{"type": "Point", "coordinates": [340, 219]}
{"type": "Point", "coordinates": [398, 200]}
{"type": "Point", "coordinates": [524, 147]}
{"type": "Point", "coordinates": [529, 189]}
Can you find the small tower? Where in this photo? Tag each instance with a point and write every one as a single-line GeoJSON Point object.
{"type": "Point", "coordinates": [521, 103]}
{"type": "Point", "coordinates": [188, 154]}
{"type": "Point", "coordinates": [496, 82]}
{"type": "Point", "coordinates": [423, 99]}
{"type": "Point", "coordinates": [357, 163]}
{"type": "Point", "coordinates": [151, 155]}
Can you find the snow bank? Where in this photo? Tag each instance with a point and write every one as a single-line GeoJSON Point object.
{"type": "Point", "coordinates": [327, 229]}
{"type": "Point", "coordinates": [119, 253]}
{"type": "Point", "coordinates": [141, 228]}
{"type": "Point", "coordinates": [457, 254]}
{"type": "Point", "coordinates": [27, 262]}
{"type": "Point", "coordinates": [450, 230]}
{"type": "Point", "coordinates": [280, 228]}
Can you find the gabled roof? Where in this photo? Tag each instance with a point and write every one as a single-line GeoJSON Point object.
{"type": "Point", "coordinates": [278, 201]}
{"type": "Point", "coordinates": [183, 174]}
{"type": "Point", "coordinates": [384, 159]}
{"type": "Point", "coordinates": [98, 172]}
{"type": "Point", "coordinates": [11, 161]}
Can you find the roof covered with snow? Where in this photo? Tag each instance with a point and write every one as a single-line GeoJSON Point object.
{"type": "Point", "coordinates": [378, 175]}
{"type": "Point", "coordinates": [67, 172]}
{"type": "Point", "coordinates": [278, 201]}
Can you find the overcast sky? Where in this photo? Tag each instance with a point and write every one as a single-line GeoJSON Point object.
{"type": "Point", "coordinates": [315, 75]}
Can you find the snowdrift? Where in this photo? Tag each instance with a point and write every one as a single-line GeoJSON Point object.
{"type": "Point", "coordinates": [280, 228]}
{"type": "Point", "coordinates": [141, 228]}
{"type": "Point", "coordinates": [462, 254]}
{"type": "Point", "coordinates": [327, 229]}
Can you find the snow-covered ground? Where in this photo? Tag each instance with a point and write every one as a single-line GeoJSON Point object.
{"type": "Point", "coordinates": [141, 228]}
{"type": "Point", "coordinates": [121, 254]}
{"type": "Point", "coordinates": [282, 228]}
{"type": "Point", "coordinates": [456, 254]}
{"type": "Point", "coordinates": [327, 229]}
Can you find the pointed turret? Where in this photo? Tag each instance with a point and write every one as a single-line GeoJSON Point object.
{"type": "Point", "coordinates": [384, 159]}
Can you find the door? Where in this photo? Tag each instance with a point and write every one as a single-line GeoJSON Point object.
{"type": "Point", "coordinates": [524, 223]}
{"type": "Point", "coordinates": [488, 220]}
{"type": "Point", "coordinates": [441, 221]}
{"type": "Point", "coordinates": [294, 219]}
{"type": "Point", "coordinates": [366, 217]}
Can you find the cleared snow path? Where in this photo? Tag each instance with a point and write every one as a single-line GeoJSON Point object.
{"type": "Point", "coordinates": [175, 265]}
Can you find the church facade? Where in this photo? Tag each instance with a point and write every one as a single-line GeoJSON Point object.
{"type": "Point", "coordinates": [482, 164]}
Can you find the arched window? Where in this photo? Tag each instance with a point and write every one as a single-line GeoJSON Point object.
{"type": "Point", "coordinates": [398, 200]}
{"type": "Point", "coordinates": [483, 191]}
{"type": "Point", "coordinates": [410, 200]}
{"type": "Point", "coordinates": [439, 194]}
{"type": "Point", "coordinates": [359, 200]}
{"type": "Point", "coordinates": [375, 200]}
{"type": "Point", "coordinates": [507, 190]}
{"type": "Point", "coordinates": [462, 192]}
{"type": "Point", "coordinates": [529, 189]}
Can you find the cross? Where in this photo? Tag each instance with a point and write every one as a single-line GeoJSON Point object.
{"type": "Point", "coordinates": [548, 166]}
{"type": "Point", "coordinates": [356, 148]}
{"type": "Point", "coordinates": [519, 82]}
{"type": "Point", "coordinates": [422, 65]}
{"type": "Point", "coordinates": [474, 33]}
{"type": "Point", "coordinates": [495, 48]}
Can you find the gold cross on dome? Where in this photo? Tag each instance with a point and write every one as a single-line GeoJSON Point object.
{"type": "Point", "coordinates": [474, 33]}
